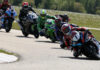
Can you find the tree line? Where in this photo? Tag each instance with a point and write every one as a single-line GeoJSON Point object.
{"type": "Point", "coordinates": [81, 6]}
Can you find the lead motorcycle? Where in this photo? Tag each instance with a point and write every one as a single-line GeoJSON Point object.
{"type": "Point", "coordinates": [7, 19]}
{"type": "Point", "coordinates": [30, 25]}
{"type": "Point", "coordinates": [86, 45]}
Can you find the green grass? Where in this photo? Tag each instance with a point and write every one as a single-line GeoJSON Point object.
{"type": "Point", "coordinates": [81, 19]}
{"type": "Point", "coordinates": [9, 53]}
{"type": "Point", "coordinates": [16, 26]}
{"type": "Point", "coordinates": [96, 34]}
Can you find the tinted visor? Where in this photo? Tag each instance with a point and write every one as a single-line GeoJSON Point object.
{"type": "Point", "coordinates": [25, 6]}
{"type": "Point", "coordinates": [67, 30]}
{"type": "Point", "coordinates": [43, 15]}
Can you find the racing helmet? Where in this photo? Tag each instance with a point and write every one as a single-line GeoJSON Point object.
{"type": "Point", "coordinates": [25, 4]}
{"type": "Point", "coordinates": [43, 13]}
{"type": "Point", "coordinates": [66, 29]}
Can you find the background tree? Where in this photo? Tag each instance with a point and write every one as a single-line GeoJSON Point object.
{"type": "Point", "coordinates": [16, 2]}
{"type": "Point", "coordinates": [89, 6]}
{"type": "Point", "coordinates": [37, 2]}
{"type": "Point", "coordinates": [78, 7]}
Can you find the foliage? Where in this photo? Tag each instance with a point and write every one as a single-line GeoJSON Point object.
{"type": "Point", "coordinates": [89, 6]}
{"type": "Point", "coordinates": [98, 12]}
{"type": "Point", "coordinates": [83, 20]}
{"type": "Point", "coordinates": [78, 7]}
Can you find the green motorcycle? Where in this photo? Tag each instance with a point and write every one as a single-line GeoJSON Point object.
{"type": "Point", "coordinates": [49, 30]}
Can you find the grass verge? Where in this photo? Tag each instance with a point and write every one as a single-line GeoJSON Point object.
{"type": "Point", "coordinates": [6, 52]}
{"type": "Point", "coordinates": [96, 34]}
{"type": "Point", "coordinates": [81, 19]}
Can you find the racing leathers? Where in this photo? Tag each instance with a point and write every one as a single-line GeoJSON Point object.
{"type": "Point", "coordinates": [41, 21]}
{"type": "Point", "coordinates": [67, 38]}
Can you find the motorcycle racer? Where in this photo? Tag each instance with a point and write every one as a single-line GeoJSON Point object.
{"type": "Point", "coordinates": [24, 11]}
{"type": "Point", "coordinates": [42, 20]}
{"type": "Point", "coordinates": [5, 5]}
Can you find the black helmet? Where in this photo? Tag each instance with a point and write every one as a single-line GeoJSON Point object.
{"type": "Point", "coordinates": [65, 18]}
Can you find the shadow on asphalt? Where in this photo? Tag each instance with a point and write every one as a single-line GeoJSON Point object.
{"type": "Point", "coordinates": [47, 42]}
{"type": "Point", "coordinates": [23, 37]}
{"type": "Point", "coordinates": [80, 58]}
{"type": "Point", "coordinates": [55, 48]}
{"type": "Point", "coordinates": [4, 32]}
{"type": "Point", "coordinates": [60, 48]}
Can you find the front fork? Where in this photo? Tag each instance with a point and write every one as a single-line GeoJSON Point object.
{"type": "Point", "coordinates": [96, 43]}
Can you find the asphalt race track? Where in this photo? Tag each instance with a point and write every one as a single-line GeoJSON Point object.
{"type": "Point", "coordinates": [41, 54]}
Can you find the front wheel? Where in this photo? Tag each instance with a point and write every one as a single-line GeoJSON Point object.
{"type": "Point", "coordinates": [76, 52]}
{"type": "Point", "coordinates": [24, 33]}
{"type": "Point", "coordinates": [92, 51]}
{"type": "Point", "coordinates": [35, 32]}
{"type": "Point", "coordinates": [7, 28]}
{"type": "Point", "coordinates": [36, 35]}
{"type": "Point", "coordinates": [8, 25]}
{"type": "Point", "coordinates": [52, 37]}
{"type": "Point", "coordinates": [96, 54]}
{"type": "Point", "coordinates": [62, 45]}
{"type": "Point", "coordinates": [53, 40]}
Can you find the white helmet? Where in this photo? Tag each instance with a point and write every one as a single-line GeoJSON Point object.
{"type": "Point", "coordinates": [75, 36]}
{"type": "Point", "coordinates": [43, 12]}
{"type": "Point", "coordinates": [66, 29]}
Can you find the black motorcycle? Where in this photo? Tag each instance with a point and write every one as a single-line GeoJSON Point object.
{"type": "Point", "coordinates": [90, 48]}
{"type": "Point", "coordinates": [30, 25]}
